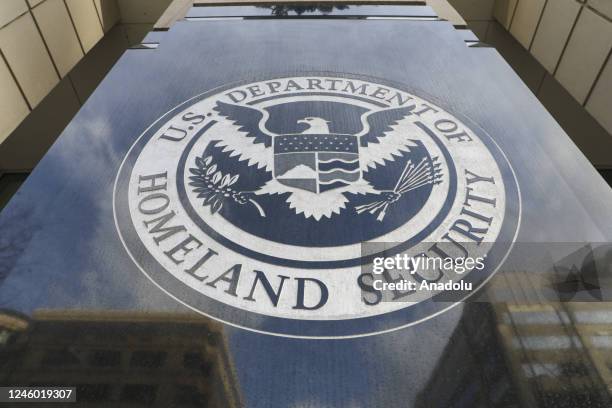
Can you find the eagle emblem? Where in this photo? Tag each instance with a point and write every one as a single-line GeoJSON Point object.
{"type": "Point", "coordinates": [317, 169]}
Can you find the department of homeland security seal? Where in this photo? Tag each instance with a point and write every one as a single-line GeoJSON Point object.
{"type": "Point", "coordinates": [252, 203]}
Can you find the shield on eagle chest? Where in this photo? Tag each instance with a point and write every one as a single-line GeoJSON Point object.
{"type": "Point", "coordinates": [316, 162]}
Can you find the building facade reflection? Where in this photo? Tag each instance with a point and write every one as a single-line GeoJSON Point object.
{"type": "Point", "coordinates": [120, 358]}
{"type": "Point", "coordinates": [526, 355]}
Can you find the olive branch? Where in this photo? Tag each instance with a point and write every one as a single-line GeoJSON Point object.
{"type": "Point", "coordinates": [214, 186]}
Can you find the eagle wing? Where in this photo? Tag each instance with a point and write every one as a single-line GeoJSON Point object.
{"type": "Point", "coordinates": [386, 133]}
{"type": "Point", "coordinates": [246, 135]}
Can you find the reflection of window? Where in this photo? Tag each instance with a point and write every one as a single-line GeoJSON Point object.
{"type": "Point", "coordinates": [105, 358]}
{"type": "Point", "coordinates": [558, 342]}
{"type": "Point", "coordinates": [574, 369]}
{"type": "Point", "coordinates": [195, 361]}
{"type": "Point", "coordinates": [541, 369]}
{"type": "Point", "coordinates": [192, 360]}
{"type": "Point", "coordinates": [139, 393]}
{"type": "Point", "coordinates": [602, 341]}
{"type": "Point", "coordinates": [594, 317]}
{"type": "Point", "coordinates": [93, 392]}
{"type": "Point", "coordinates": [59, 358]}
{"type": "Point", "coordinates": [586, 397]}
{"type": "Point", "coordinates": [530, 317]}
{"type": "Point", "coordinates": [189, 396]}
{"type": "Point", "coordinates": [148, 359]}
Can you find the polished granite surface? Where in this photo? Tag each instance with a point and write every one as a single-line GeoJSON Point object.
{"type": "Point", "coordinates": [82, 304]}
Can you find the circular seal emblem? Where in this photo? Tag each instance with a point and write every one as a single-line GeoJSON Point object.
{"type": "Point", "coordinates": [277, 205]}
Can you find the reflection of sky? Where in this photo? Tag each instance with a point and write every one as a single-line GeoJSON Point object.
{"type": "Point", "coordinates": [58, 244]}
{"type": "Point", "coordinates": [68, 254]}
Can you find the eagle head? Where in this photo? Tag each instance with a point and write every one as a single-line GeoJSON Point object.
{"type": "Point", "coordinates": [315, 125]}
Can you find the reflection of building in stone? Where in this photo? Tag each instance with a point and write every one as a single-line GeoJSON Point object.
{"type": "Point", "coordinates": [526, 355]}
{"type": "Point", "coordinates": [118, 359]}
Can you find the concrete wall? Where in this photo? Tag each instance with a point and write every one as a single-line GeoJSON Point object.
{"type": "Point", "coordinates": [51, 59]}
{"type": "Point", "coordinates": [53, 54]}
{"type": "Point", "coordinates": [41, 41]}
{"type": "Point", "coordinates": [571, 41]}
